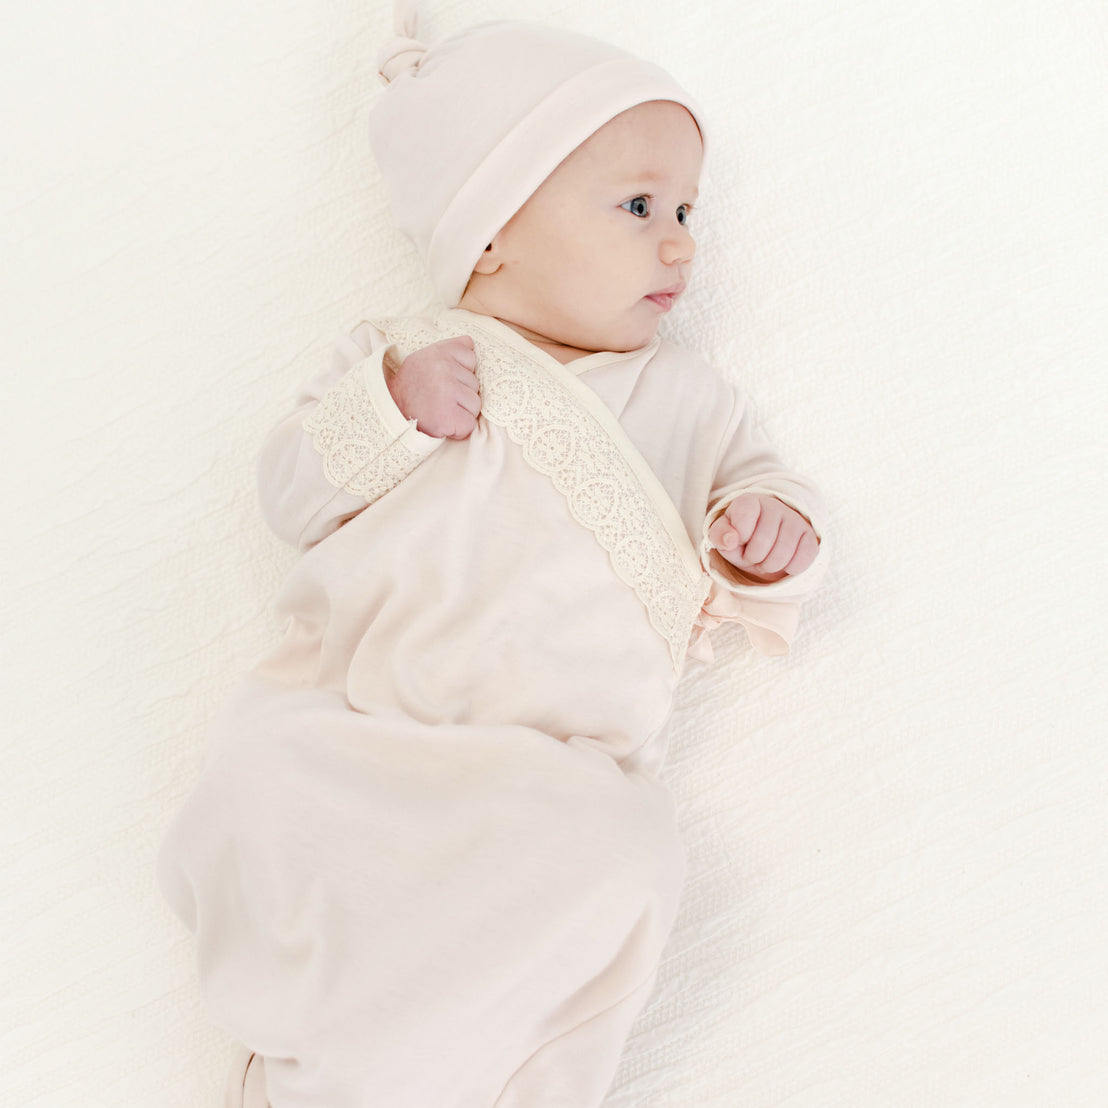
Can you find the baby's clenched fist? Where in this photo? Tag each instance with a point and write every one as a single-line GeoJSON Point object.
{"type": "Point", "coordinates": [437, 387]}
{"type": "Point", "coordinates": [764, 537]}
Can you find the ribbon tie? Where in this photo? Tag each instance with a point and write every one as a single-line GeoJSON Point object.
{"type": "Point", "coordinates": [405, 52]}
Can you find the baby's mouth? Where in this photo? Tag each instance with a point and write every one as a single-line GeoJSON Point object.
{"type": "Point", "coordinates": [666, 298]}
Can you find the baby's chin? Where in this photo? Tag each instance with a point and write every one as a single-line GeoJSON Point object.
{"type": "Point", "coordinates": [617, 338]}
{"type": "Point", "coordinates": [568, 339]}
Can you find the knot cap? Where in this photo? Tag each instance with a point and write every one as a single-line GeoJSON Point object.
{"type": "Point", "coordinates": [402, 55]}
{"type": "Point", "coordinates": [501, 105]}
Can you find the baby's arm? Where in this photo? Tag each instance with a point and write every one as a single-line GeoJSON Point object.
{"type": "Point", "coordinates": [764, 537]}
{"type": "Point", "coordinates": [345, 443]}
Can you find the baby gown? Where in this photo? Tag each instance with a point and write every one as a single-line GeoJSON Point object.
{"type": "Point", "coordinates": [429, 862]}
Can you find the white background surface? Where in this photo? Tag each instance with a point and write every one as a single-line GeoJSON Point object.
{"type": "Point", "coordinates": [897, 835]}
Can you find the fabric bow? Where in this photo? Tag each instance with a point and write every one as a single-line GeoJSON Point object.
{"type": "Point", "coordinates": [405, 52]}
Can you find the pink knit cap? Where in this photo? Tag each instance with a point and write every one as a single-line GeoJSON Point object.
{"type": "Point", "coordinates": [469, 128]}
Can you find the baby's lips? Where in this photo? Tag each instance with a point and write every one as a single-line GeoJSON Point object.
{"type": "Point", "coordinates": [673, 290]}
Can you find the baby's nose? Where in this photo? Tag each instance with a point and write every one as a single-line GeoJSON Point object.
{"type": "Point", "coordinates": [678, 246]}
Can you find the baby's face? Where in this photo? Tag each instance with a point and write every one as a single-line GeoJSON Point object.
{"type": "Point", "coordinates": [602, 250]}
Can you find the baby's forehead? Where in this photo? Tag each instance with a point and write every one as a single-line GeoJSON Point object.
{"type": "Point", "coordinates": [642, 123]}
{"type": "Point", "coordinates": [655, 142]}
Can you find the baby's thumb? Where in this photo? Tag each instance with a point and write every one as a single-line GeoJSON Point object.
{"type": "Point", "coordinates": [742, 515]}
{"type": "Point", "coordinates": [723, 536]}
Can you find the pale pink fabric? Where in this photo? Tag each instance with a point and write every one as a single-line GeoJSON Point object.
{"type": "Point", "coordinates": [429, 860]}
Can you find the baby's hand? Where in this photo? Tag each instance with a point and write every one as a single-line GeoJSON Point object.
{"type": "Point", "coordinates": [764, 537]}
{"type": "Point", "coordinates": [437, 387]}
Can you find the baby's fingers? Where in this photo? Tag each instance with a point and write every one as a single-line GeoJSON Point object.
{"type": "Point", "coordinates": [463, 424]}
{"type": "Point", "coordinates": [806, 552]}
{"type": "Point", "coordinates": [465, 410]}
{"type": "Point", "coordinates": [469, 398]}
{"type": "Point", "coordinates": [461, 350]}
{"type": "Point", "coordinates": [764, 537]}
{"type": "Point", "coordinates": [793, 550]}
{"type": "Point", "coordinates": [762, 542]}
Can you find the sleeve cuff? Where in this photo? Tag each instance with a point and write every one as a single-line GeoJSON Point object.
{"type": "Point", "coordinates": [367, 444]}
{"type": "Point", "coordinates": [397, 426]}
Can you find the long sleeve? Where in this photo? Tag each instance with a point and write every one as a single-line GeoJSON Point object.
{"type": "Point", "coordinates": [343, 445]}
{"type": "Point", "coordinates": [748, 464]}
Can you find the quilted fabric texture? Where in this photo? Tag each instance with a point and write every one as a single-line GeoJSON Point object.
{"type": "Point", "coordinates": [896, 834]}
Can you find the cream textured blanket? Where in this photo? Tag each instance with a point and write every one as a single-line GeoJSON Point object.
{"type": "Point", "coordinates": [896, 876]}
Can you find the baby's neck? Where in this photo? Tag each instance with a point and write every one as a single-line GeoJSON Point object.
{"type": "Point", "coordinates": [557, 350]}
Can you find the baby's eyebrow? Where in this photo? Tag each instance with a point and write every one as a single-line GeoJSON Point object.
{"type": "Point", "coordinates": [650, 177]}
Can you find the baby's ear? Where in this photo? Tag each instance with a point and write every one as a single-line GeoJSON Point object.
{"type": "Point", "coordinates": [490, 260]}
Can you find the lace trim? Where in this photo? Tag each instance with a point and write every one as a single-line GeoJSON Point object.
{"type": "Point", "coordinates": [562, 440]}
{"type": "Point", "coordinates": [360, 455]}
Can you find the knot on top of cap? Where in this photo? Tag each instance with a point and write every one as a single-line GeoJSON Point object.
{"type": "Point", "coordinates": [405, 52]}
{"type": "Point", "coordinates": [402, 55]}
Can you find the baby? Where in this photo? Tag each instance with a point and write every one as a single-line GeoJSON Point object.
{"type": "Point", "coordinates": [429, 862]}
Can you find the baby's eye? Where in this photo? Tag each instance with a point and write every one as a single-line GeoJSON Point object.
{"type": "Point", "coordinates": [684, 214]}
{"type": "Point", "coordinates": [640, 206]}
